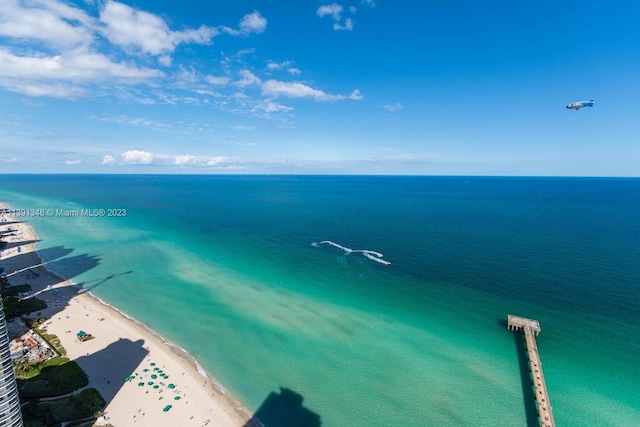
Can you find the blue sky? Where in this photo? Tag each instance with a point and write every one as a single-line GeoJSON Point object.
{"type": "Point", "coordinates": [316, 87]}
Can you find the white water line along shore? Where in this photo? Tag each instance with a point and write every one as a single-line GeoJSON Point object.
{"type": "Point", "coordinates": [121, 348]}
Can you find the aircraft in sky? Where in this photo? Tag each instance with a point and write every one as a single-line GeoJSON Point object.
{"type": "Point", "coordinates": [580, 104]}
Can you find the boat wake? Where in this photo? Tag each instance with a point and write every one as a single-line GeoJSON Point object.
{"type": "Point", "coordinates": [372, 255]}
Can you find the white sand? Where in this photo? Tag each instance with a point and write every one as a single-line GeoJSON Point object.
{"type": "Point", "coordinates": [120, 347]}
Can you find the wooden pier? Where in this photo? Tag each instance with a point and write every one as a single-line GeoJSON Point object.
{"type": "Point", "coordinates": [529, 326]}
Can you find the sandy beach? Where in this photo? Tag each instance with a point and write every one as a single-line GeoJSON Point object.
{"type": "Point", "coordinates": [159, 374]}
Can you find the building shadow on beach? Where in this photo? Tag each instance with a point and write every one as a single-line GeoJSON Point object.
{"type": "Point", "coordinates": [9, 223]}
{"type": "Point", "coordinates": [284, 409]}
{"type": "Point", "coordinates": [526, 382]}
{"type": "Point", "coordinates": [71, 267]}
{"type": "Point", "coordinates": [109, 368]}
{"type": "Point", "coordinates": [54, 252]}
{"type": "Point", "coordinates": [11, 245]}
{"type": "Point", "coordinates": [53, 260]}
{"type": "Point", "coordinates": [90, 285]}
{"type": "Point", "coordinates": [45, 270]}
{"type": "Point", "coordinates": [56, 259]}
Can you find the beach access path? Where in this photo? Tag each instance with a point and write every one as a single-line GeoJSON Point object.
{"type": "Point", "coordinates": [135, 370]}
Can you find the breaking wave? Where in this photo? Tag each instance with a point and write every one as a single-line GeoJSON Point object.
{"type": "Point", "coordinates": [372, 255]}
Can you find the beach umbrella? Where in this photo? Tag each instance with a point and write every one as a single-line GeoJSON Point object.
{"type": "Point", "coordinates": [171, 386]}
{"type": "Point", "coordinates": [176, 398]}
{"type": "Point", "coordinates": [154, 376]}
{"type": "Point", "coordinates": [156, 386]}
{"type": "Point", "coordinates": [150, 383]}
{"type": "Point", "coordinates": [145, 370]}
{"type": "Point", "coordinates": [153, 364]}
{"type": "Point", "coordinates": [140, 384]}
{"type": "Point", "coordinates": [166, 408]}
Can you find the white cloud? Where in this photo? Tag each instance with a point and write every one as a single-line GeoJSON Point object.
{"type": "Point", "coordinates": [73, 162]}
{"type": "Point", "coordinates": [221, 81]}
{"type": "Point", "coordinates": [132, 121]}
{"type": "Point", "coordinates": [272, 107]}
{"type": "Point", "coordinates": [108, 160]}
{"type": "Point", "coordinates": [136, 157]}
{"type": "Point", "coordinates": [77, 64]}
{"type": "Point", "coordinates": [165, 60]}
{"type": "Point", "coordinates": [56, 90]}
{"type": "Point", "coordinates": [253, 23]}
{"type": "Point", "coordinates": [348, 25]}
{"type": "Point", "coordinates": [52, 22]}
{"type": "Point", "coordinates": [283, 65]}
{"type": "Point", "coordinates": [61, 75]}
{"type": "Point", "coordinates": [334, 9]}
{"type": "Point", "coordinates": [247, 78]}
{"type": "Point", "coordinates": [128, 27]}
{"type": "Point", "coordinates": [245, 52]}
{"type": "Point", "coordinates": [370, 3]}
{"type": "Point", "coordinates": [278, 65]}
{"type": "Point", "coordinates": [275, 88]}
{"type": "Point", "coordinates": [392, 107]}
{"type": "Point", "coordinates": [356, 95]}
{"type": "Point", "coordinates": [189, 160]}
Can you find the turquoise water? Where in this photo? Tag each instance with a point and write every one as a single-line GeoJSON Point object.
{"type": "Point", "coordinates": [234, 270]}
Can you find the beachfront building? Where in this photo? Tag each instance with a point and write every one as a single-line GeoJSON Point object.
{"type": "Point", "coordinates": [10, 415]}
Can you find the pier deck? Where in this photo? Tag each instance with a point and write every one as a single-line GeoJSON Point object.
{"type": "Point", "coordinates": [530, 327]}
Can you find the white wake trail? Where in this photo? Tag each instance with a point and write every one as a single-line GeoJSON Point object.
{"type": "Point", "coordinates": [372, 255]}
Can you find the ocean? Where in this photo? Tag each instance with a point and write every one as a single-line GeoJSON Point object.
{"type": "Point", "coordinates": [377, 300]}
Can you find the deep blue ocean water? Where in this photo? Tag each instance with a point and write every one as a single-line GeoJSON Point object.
{"type": "Point", "coordinates": [238, 271]}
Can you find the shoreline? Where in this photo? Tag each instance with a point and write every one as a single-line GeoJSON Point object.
{"type": "Point", "coordinates": [117, 335]}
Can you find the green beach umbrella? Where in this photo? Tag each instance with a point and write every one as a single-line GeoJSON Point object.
{"type": "Point", "coordinates": [176, 398]}
{"type": "Point", "coordinates": [166, 408]}
{"type": "Point", "coordinates": [140, 384]}
{"type": "Point", "coordinates": [150, 383]}
{"type": "Point", "coordinates": [154, 376]}
{"type": "Point", "coordinates": [156, 386]}
{"type": "Point", "coordinates": [153, 364]}
{"type": "Point", "coordinates": [171, 386]}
